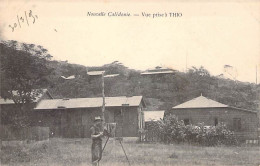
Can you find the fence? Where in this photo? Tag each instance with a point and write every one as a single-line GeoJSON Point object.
{"type": "Point", "coordinates": [9, 133]}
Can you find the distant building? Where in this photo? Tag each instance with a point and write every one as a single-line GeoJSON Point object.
{"type": "Point", "coordinates": [96, 73]}
{"type": "Point", "coordinates": [153, 115]}
{"type": "Point", "coordinates": [201, 109]}
{"type": "Point", "coordinates": [158, 71]}
{"type": "Point", "coordinates": [74, 117]}
{"type": "Point", "coordinates": [9, 109]}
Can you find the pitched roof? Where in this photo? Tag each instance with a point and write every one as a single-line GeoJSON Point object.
{"type": "Point", "coordinates": [111, 75]}
{"type": "Point", "coordinates": [37, 98]}
{"type": "Point", "coordinates": [153, 115]}
{"type": "Point", "coordinates": [159, 72]}
{"type": "Point", "coordinates": [89, 102]}
{"type": "Point", "coordinates": [201, 102]}
{"type": "Point", "coordinates": [95, 73]}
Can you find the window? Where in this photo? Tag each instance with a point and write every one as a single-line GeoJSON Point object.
{"type": "Point", "coordinates": [186, 121]}
{"type": "Point", "coordinates": [216, 121]}
{"type": "Point", "coordinates": [237, 124]}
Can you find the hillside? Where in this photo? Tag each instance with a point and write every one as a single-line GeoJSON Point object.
{"type": "Point", "coordinates": [160, 92]}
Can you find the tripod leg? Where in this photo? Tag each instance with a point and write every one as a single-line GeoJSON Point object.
{"type": "Point", "coordinates": [104, 147]}
{"type": "Point", "coordinates": [124, 152]}
{"type": "Point", "coordinates": [105, 144]}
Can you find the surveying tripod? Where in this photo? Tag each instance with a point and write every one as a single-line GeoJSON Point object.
{"type": "Point", "coordinates": [108, 134]}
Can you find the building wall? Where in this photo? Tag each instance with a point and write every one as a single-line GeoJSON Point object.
{"type": "Point", "coordinates": [8, 111]}
{"type": "Point", "coordinates": [208, 115]}
{"type": "Point", "coordinates": [130, 122]}
{"type": "Point", "coordinates": [77, 122]}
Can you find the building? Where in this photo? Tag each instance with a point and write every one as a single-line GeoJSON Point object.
{"type": "Point", "coordinates": [201, 109]}
{"type": "Point", "coordinates": [9, 109]}
{"type": "Point", "coordinates": [158, 71]}
{"type": "Point", "coordinates": [151, 126]}
{"type": "Point", "coordinates": [153, 115]}
{"type": "Point", "coordinates": [74, 117]}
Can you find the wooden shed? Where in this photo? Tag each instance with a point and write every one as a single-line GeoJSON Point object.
{"type": "Point", "coordinates": [8, 108]}
{"type": "Point", "coordinates": [153, 115]}
{"type": "Point", "coordinates": [73, 117]}
{"type": "Point", "coordinates": [201, 109]}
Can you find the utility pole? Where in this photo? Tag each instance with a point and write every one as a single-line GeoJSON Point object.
{"type": "Point", "coordinates": [103, 76]}
{"type": "Point", "coordinates": [98, 74]}
{"type": "Point", "coordinates": [186, 60]}
{"type": "Point", "coordinates": [103, 96]}
{"type": "Point", "coordinates": [256, 74]}
{"type": "Point", "coordinates": [258, 104]}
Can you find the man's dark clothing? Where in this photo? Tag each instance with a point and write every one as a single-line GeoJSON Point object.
{"type": "Point", "coordinates": [96, 148]}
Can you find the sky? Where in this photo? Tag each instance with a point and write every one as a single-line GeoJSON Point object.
{"type": "Point", "coordinates": [209, 33]}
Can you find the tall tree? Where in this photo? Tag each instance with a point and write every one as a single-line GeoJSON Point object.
{"type": "Point", "coordinates": [23, 70]}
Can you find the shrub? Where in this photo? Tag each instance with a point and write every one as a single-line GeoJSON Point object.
{"type": "Point", "coordinates": [171, 130]}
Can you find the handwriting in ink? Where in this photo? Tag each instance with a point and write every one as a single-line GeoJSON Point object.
{"type": "Point", "coordinates": [26, 19]}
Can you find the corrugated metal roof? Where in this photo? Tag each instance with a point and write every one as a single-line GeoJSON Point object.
{"type": "Point", "coordinates": [95, 73]}
{"type": "Point", "coordinates": [200, 102]}
{"type": "Point", "coordinates": [10, 101]}
{"type": "Point", "coordinates": [88, 102]}
{"type": "Point", "coordinates": [134, 100]}
{"type": "Point", "coordinates": [159, 72]}
{"type": "Point", "coordinates": [111, 75]}
{"type": "Point", "coordinates": [153, 115]}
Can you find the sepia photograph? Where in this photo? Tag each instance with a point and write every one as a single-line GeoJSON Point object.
{"type": "Point", "coordinates": [130, 83]}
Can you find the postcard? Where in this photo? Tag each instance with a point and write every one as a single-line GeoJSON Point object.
{"type": "Point", "coordinates": [113, 82]}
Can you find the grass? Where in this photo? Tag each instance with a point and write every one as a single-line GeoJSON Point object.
{"type": "Point", "coordinates": [69, 152]}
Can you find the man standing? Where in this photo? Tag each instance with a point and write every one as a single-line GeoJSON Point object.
{"type": "Point", "coordinates": [96, 134]}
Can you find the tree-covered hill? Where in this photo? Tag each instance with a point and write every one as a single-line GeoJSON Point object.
{"type": "Point", "coordinates": [160, 91]}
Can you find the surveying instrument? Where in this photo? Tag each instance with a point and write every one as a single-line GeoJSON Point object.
{"type": "Point", "coordinates": [110, 131]}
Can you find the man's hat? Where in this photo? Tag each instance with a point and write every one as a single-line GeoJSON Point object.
{"type": "Point", "coordinates": [97, 118]}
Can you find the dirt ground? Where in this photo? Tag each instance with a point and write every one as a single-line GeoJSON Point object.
{"type": "Point", "coordinates": [70, 152]}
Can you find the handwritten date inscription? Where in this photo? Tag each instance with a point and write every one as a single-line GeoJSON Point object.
{"type": "Point", "coordinates": [26, 19]}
